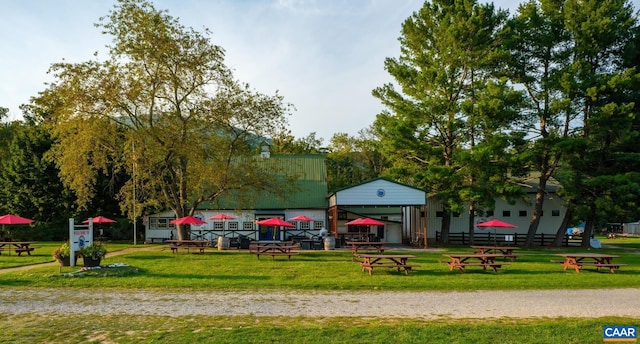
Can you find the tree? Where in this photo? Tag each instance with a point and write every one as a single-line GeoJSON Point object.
{"type": "Point", "coordinates": [603, 153]}
{"type": "Point", "coordinates": [449, 51]}
{"type": "Point", "coordinates": [352, 160]}
{"type": "Point", "coordinates": [29, 183]}
{"type": "Point", "coordinates": [164, 108]}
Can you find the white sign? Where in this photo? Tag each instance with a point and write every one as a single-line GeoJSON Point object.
{"type": "Point", "coordinates": [79, 236]}
{"type": "Point", "coordinates": [508, 238]}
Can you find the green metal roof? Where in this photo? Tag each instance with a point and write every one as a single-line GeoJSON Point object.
{"type": "Point", "coordinates": [309, 188]}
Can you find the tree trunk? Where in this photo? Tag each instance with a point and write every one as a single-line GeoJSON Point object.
{"type": "Point", "coordinates": [537, 208]}
{"type": "Point", "coordinates": [445, 228]}
{"type": "Point", "coordinates": [562, 230]}
{"type": "Point", "coordinates": [471, 223]}
{"type": "Point", "coordinates": [588, 229]}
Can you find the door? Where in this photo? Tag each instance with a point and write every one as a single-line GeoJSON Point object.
{"type": "Point", "coordinates": [269, 233]}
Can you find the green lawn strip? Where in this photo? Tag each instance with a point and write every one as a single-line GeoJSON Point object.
{"type": "Point", "coordinates": [42, 254]}
{"type": "Point", "coordinates": [327, 270]}
{"type": "Point", "coordinates": [249, 329]}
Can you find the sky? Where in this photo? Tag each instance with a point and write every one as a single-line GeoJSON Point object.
{"type": "Point", "coordinates": [323, 56]}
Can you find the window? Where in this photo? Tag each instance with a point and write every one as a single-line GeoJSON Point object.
{"type": "Point", "coordinates": [506, 213]}
{"type": "Point", "coordinates": [160, 223]}
{"type": "Point", "coordinates": [555, 213]}
{"type": "Point", "coordinates": [489, 213]}
{"type": "Point", "coordinates": [522, 213]}
{"type": "Point", "coordinates": [233, 225]}
{"type": "Point", "coordinates": [342, 215]}
{"type": "Point", "coordinates": [247, 226]}
{"type": "Point", "coordinates": [318, 224]}
{"type": "Point", "coordinates": [305, 225]}
{"type": "Point", "coordinates": [218, 225]}
{"type": "Point", "coordinates": [439, 213]}
{"type": "Point", "coordinates": [456, 214]}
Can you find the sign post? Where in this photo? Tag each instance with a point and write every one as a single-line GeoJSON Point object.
{"type": "Point", "coordinates": [79, 237]}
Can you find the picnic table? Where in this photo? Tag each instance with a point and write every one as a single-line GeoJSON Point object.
{"type": "Point", "coordinates": [506, 251]}
{"type": "Point", "coordinates": [398, 261]}
{"type": "Point", "coordinates": [199, 245]}
{"type": "Point", "coordinates": [578, 260]}
{"type": "Point", "coordinates": [16, 246]}
{"type": "Point", "coordinates": [462, 260]}
{"type": "Point", "coordinates": [274, 248]}
{"type": "Point", "coordinates": [378, 246]}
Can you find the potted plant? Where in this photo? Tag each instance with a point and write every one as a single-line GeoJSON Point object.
{"type": "Point", "coordinates": [63, 254]}
{"type": "Point", "coordinates": [93, 254]}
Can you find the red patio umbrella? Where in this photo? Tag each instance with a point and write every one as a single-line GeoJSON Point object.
{"type": "Point", "coordinates": [10, 219]}
{"type": "Point", "coordinates": [301, 218]}
{"type": "Point", "coordinates": [365, 222]}
{"type": "Point", "coordinates": [100, 220]}
{"type": "Point", "coordinates": [222, 217]}
{"type": "Point", "coordinates": [188, 220]}
{"type": "Point", "coordinates": [276, 222]}
{"type": "Point", "coordinates": [496, 224]}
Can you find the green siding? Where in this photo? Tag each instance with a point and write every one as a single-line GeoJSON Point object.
{"type": "Point", "coordinates": [310, 185]}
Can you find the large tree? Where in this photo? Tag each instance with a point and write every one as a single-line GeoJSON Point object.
{"type": "Point", "coordinates": [450, 101]}
{"type": "Point", "coordinates": [164, 108]}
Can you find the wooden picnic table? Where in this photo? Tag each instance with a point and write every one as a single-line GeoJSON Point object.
{"type": "Point", "coordinates": [462, 260]}
{"type": "Point", "coordinates": [199, 245]}
{"type": "Point", "coordinates": [578, 260]}
{"type": "Point", "coordinates": [398, 261]}
{"type": "Point", "coordinates": [378, 246]}
{"type": "Point", "coordinates": [274, 248]}
{"type": "Point", "coordinates": [506, 251]}
{"type": "Point", "coordinates": [16, 246]}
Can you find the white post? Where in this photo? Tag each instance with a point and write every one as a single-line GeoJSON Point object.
{"type": "Point", "coordinates": [72, 253]}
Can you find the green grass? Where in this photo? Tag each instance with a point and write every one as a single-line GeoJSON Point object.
{"type": "Point", "coordinates": [311, 270]}
{"type": "Point", "coordinates": [249, 329]}
{"type": "Point", "coordinates": [322, 270]}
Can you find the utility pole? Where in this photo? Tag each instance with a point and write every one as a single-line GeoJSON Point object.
{"type": "Point", "coordinates": [135, 232]}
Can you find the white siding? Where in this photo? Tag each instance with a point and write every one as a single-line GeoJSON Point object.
{"type": "Point", "coordinates": [549, 222]}
{"type": "Point", "coordinates": [379, 192]}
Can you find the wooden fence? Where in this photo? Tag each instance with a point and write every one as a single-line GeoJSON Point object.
{"type": "Point", "coordinates": [489, 238]}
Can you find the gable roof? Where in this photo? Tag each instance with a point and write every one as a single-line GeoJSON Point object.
{"type": "Point", "coordinates": [309, 188]}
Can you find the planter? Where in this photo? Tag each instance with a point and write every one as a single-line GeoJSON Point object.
{"type": "Point", "coordinates": [90, 262]}
{"type": "Point", "coordinates": [66, 261]}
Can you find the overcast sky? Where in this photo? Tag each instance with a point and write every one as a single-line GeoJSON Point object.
{"type": "Point", "coordinates": [324, 56]}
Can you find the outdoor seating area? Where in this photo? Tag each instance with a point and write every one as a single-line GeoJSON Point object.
{"type": "Point", "coordinates": [17, 247]}
{"type": "Point", "coordinates": [578, 260]}
{"type": "Point", "coordinates": [360, 246]}
{"type": "Point", "coordinates": [397, 261]}
{"type": "Point", "coordinates": [461, 261]}
{"type": "Point", "coordinates": [506, 251]}
{"type": "Point", "coordinates": [274, 248]}
{"type": "Point", "coordinates": [198, 246]}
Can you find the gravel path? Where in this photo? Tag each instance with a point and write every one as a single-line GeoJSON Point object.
{"type": "Point", "coordinates": [427, 305]}
{"type": "Point", "coordinates": [588, 303]}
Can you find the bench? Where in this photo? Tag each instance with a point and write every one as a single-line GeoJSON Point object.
{"type": "Point", "coordinates": [274, 250]}
{"type": "Point", "coordinates": [20, 250]}
{"type": "Point", "coordinates": [612, 266]}
{"type": "Point", "coordinates": [462, 266]}
{"type": "Point", "coordinates": [174, 248]}
{"type": "Point", "coordinates": [369, 267]}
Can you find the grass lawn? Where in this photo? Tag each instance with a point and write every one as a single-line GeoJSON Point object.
{"type": "Point", "coordinates": [312, 270]}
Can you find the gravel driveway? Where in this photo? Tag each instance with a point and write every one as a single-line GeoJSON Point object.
{"type": "Point", "coordinates": [427, 305]}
